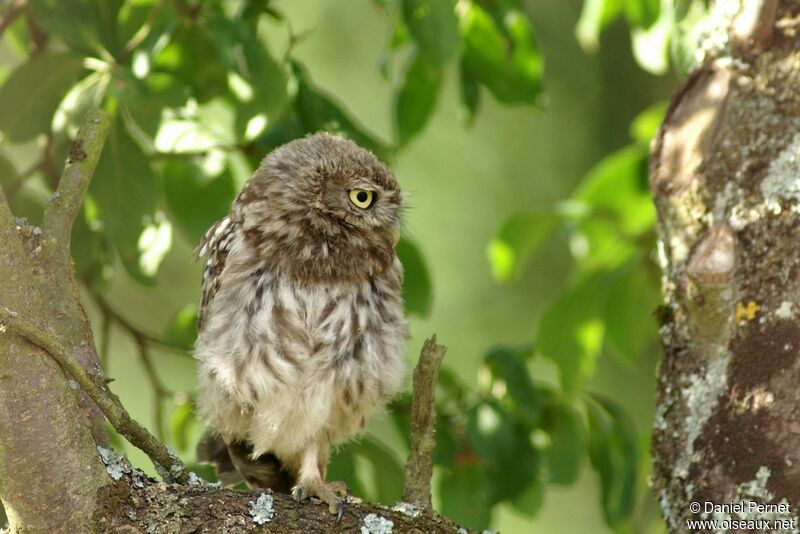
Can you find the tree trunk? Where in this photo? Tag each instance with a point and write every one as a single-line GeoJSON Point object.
{"type": "Point", "coordinates": [725, 177]}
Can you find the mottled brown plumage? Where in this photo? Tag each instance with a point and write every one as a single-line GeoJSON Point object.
{"type": "Point", "coordinates": [301, 333]}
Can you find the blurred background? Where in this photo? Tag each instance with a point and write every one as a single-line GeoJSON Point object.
{"type": "Point", "coordinates": [519, 131]}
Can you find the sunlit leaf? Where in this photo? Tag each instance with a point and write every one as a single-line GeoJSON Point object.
{"type": "Point", "coordinates": [124, 188]}
{"type": "Point", "coordinates": [254, 77]}
{"type": "Point", "coordinates": [434, 26]}
{"type": "Point", "coordinates": [31, 94]}
{"type": "Point", "coordinates": [507, 365]}
{"type": "Point", "coordinates": [613, 454]}
{"type": "Point", "coordinates": [571, 332]}
{"type": "Point", "coordinates": [182, 329]}
{"type": "Point", "coordinates": [417, 293]}
{"type": "Point", "coordinates": [500, 52]}
{"type": "Point", "coordinates": [416, 97]}
{"type": "Point", "coordinates": [645, 125]}
{"type": "Point", "coordinates": [651, 45]}
{"type": "Point", "coordinates": [595, 15]}
{"type": "Point", "coordinates": [518, 238]}
{"type": "Point", "coordinates": [617, 188]}
{"type": "Point", "coordinates": [87, 94]}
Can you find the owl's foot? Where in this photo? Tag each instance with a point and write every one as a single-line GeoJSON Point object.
{"type": "Point", "coordinates": [330, 493]}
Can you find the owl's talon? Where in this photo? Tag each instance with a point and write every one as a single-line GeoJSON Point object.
{"type": "Point", "coordinates": [325, 492]}
{"type": "Point", "coordinates": [339, 511]}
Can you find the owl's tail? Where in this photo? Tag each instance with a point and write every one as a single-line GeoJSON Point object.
{"type": "Point", "coordinates": [234, 465]}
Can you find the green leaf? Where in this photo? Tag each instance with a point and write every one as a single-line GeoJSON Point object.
{"type": "Point", "coordinates": [124, 188]}
{"type": "Point", "coordinates": [504, 447]}
{"type": "Point", "coordinates": [388, 473]}
{"type": "Point", "coordinates": [617, 188]}
{"type": "Point", "coordinates": [181, 423]}
{"type": "Point", "coordinates": [633, 295]}
{"type": "Point", "coordinates": [434, 26]}
{"type": "Point", "coordinates": [256, 79]}
{"type": "Point", "coordinates": [32, 92]}
{"type": "Point", "coordinates": [518, 238]}
{"type": "Point", "coordinates": [182, 329]}
{"type": "Point", "coordinates": [470, 97]}
{"type": "Point", "coordinates": [417, 293]}
{"type": "Point", "coordinates": [613, 454]}
{"type": "Point", "coordinates": [416, 97]}
{"type": "Point", "coordinates": [500, 52]}
{"type": "Point", "coordinates": [645, 125]}
{"type": "Point", "coordinates": [318, 112]}
{"type": "Point", "coordinates": [462, 492]}
{"type": "Point", "coordinates": [571, 332]}
{"type": "Point", "coordinates": [342, 466]}
{"type": "Point", "coordinates": [530, 501]}
{"type": "Point", "coordinates": [206, 79]}
{"type": "Point", "coordinates": [195, 195]}
{"type": "Point", "coordinates": [87, 94]}
{"type": "Point", "coordinates": [76, 22]}
{"type": "Point", "coordinates": [90, 247]}
{"type": "Point", "coordinates": [507, 365]}
{"type": "Point", "coordinates": [564, 453]}
{"type": "Point", "coordinates": [595, 15]}
{"type": "Point", "coordinates": [642, 13]}
{"type": "Point", "coordinates": [8, 174]}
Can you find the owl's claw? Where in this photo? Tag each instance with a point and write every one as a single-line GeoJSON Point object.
{"type": "Point", "coordinates": [329, 493]}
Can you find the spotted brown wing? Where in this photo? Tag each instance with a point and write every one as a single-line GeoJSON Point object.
{"type": "Point", "coordinates": [216, 244]}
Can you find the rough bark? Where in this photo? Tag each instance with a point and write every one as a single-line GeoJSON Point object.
{"type": "Point", "coordinates": [725, 176]}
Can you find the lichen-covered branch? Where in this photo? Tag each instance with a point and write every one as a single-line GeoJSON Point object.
{"type": "Point", "coordinates": [84, 153]}
{"type": "Point", "coordinates": [419, 467]}
{"type": "Point", "coordinates": [166, 462]}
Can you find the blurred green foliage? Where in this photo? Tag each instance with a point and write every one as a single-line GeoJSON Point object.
{"type": "Point", "coordinates": [199, 94]}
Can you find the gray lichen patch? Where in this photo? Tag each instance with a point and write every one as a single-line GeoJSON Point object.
{"type": "Point", "coordinates": [375, 524]}
{"type": "Point", "coordinates": [701, 396]}
{"type": "Point", "coordinates": [783, 178]}
{"type": "Point", "coordinates": [116, 464]}
{"type": "Point", "coordinates": [261, 509]}
{"type": "Point", "coordinates": [407, 509]}
{"type": "Point", "coordinates": [714, 30]}
{"type": "Point", "coordinates": [755, 491]}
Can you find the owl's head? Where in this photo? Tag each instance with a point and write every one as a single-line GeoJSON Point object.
{"type": "Point", "coordinates": [322, 207]}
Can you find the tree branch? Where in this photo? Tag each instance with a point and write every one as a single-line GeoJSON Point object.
{"type": "Point", "coordinates": [81, 163]}
{"type": "Point", "coordinates": [167, 463]}
{"type": "Point", "coordinates": [419, 467]}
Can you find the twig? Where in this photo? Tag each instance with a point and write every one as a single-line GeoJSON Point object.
{"type": "Point", "coordinates": [66, 201]}
{"type": "Point", "coordinates": [419, 467]}
{"type": "Point", "coordinates": [13, 11]}
{"type": "Point", "coordinates": [168, 464]}
{"type": "Point", "coordinates": [141, 343]}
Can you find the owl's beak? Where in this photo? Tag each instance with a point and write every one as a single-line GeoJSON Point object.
{"type": "Point", "coordinates": [395, 236]}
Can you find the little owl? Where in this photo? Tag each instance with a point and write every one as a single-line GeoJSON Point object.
{"type": "Point", "coordinates": [301, 333]}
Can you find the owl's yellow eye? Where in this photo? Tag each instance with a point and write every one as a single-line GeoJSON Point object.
{"type": "Point", "coordinates": [362, 198]}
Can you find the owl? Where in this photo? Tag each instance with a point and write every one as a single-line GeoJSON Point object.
{"type": "Point", "coordinates": [301, 333]}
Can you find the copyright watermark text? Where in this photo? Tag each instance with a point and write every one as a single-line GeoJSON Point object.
{"type": "Point", "coordinates": [746, 515]}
